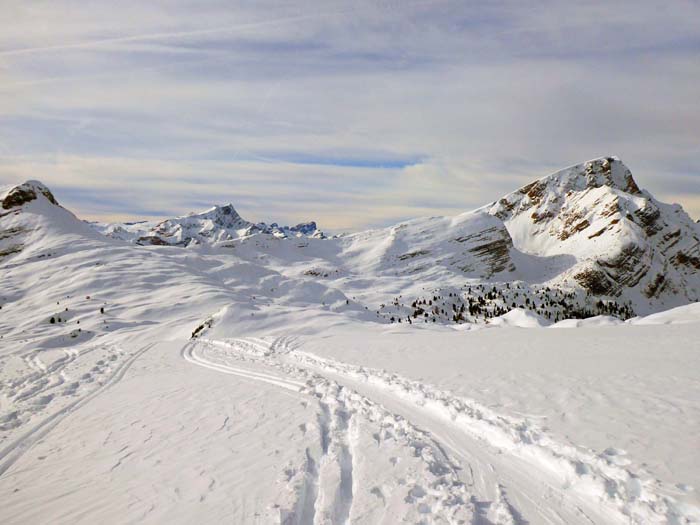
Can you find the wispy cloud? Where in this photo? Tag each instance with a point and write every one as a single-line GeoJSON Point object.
{"type": "Point", "coordinates": [357, 115]}
{"type": "Point", "coordinates": [166, 35]}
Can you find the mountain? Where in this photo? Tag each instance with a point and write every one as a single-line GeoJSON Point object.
{"type": "Point", "coordinates": [624, 242]}
{"type": "Point", "coordinates": [583, 241]}
{"type": "Point", "coordinates": [215, 226]}
{"type": "Point", "coordinates": [32, 222]}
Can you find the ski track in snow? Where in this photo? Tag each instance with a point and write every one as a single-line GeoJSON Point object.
{"type": "Point", "coordinates": [327, 492]}
{"type": "Point", "coordinates": [38, 382]}
{"type": "Point", "coordinates": [482, 467]}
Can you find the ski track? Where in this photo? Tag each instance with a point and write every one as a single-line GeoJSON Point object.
{"type": "Point", "coordinates": [326, 495]}
{"type": "Point", "coordinates": [12, 452]}
{"type": "Point", "coordinates": [492, 469]}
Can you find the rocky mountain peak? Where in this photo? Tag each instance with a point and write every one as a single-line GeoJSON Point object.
{"type": "Point", "coordinates": [612, 172]}
{"type": "Point", "coordinates": [26, 192]}
{"type": "Point", "coordinates": [621, 237]}
{"type": "Point", "coordinates": [552, 192]}
{"type": "Point", "coordinates": [224, 210]}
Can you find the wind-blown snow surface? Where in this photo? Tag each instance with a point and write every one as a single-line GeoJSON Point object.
{"type": "Point", "coordinates": [296, 403]}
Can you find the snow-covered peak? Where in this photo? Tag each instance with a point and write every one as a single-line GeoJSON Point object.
{"type": "Point", "coordinates": [15, 196]}
{"type": "Point", "coordinates": [224, 214]}
{"type": "Point", "coordinates": [608, 172]}
{"type": "Point", "coordinates": [217, 225]}
{"type": "Point", "coordinates": [33, 224]}
{"type": "Point", "coordinates": [619, 236]}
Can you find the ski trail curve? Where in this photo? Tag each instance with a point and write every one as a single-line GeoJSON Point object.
{"type": "Point", "coordinates": [327, 493]}
{"type": "Point", "coordinates": [189, 354]}
{"type": "Point", "coordinates": [516, 472]}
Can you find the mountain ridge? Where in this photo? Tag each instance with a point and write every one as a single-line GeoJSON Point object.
{"type": "Point", "coordinates": [588, 227]}
{"type": "Point", "coordinates": [216, 225]}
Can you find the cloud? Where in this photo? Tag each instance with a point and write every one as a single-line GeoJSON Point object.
{"type": "Point", "coordinates": [357, 116]}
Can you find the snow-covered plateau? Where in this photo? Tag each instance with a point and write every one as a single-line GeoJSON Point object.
{"type": "Point", "coordinates": [533, 361]}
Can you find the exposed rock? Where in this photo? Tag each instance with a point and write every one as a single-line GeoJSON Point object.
{"type": "Point", "coordinates": [596, 282]}
{"type": "Point", "coordinates": [572, 225]}
{"type": "Point", "coordinates": [25, 193]}
{"type": "Point", "coordinates": [492, 247]}
{"type": "Point", "coordinates": [648, 218]}
{"type": "Point", "coordinates": [9, 233]}
{"type": "Point", "coordinates": [11, 250]}
{"type": "Point", "coordinates": [411, 255]}
{"type": "Point", "coordinates": [598, 233]}
{"type": "Point", "coordinates": [154, 240]}
{"type": "Point", "coordinates": [654, 288]}
{"type": "Point", "coordinates": [687, 260]}
{"type": "Point", "coordinates": [628, 267]}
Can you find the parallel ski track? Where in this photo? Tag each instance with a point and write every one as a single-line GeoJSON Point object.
{"type": "Point", "coordinates": [327, 495]}
{"type": "Point", "coordinates": [516, 478]}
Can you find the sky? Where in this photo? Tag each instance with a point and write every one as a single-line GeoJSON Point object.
{"type": "Point", "coordinates": [354, 114]}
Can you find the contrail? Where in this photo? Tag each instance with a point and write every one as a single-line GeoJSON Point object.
{"type": "Point", "coordinates": [162, 36]}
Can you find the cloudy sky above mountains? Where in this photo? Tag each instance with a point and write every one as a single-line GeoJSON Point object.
{"type": "Point", "coordinates": [355, 114]}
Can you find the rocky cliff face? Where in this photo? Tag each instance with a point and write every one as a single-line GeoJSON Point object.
{"type": "Point", "coordinates": [624, 241]}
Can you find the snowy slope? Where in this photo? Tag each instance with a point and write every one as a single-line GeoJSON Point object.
{"type": "Point", "coordinates": [471, 244]}
{"type": "Point", "coordinates": [251, 380]}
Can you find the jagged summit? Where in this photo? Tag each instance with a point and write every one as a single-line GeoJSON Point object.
{"type": "Point", "coordinates": [224, 210]}
{"type": "Point", "coordinates": [217, 225]}
{"type": "Point", "coordinates": [603, 171]}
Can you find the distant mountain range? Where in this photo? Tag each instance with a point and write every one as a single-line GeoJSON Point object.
{"type": "Point", "coordinates": [217, 225]}
{"type": "Point", "coordinates": [587, 230]}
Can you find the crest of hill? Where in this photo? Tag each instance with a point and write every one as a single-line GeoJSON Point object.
{"type": "Point", "coordinates": [32, 222]}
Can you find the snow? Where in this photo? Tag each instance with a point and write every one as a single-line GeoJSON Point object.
{"type": "Point", "coordinates": [595, 388]}
{"type": "Point", "coordinates": [296, 402]}
{"type": "Point", "coordinates": [680, 315]}
{"type": "Point", "coordinates": [598, 320]}
{"type": "Point", "coordinates": [520, 318]}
